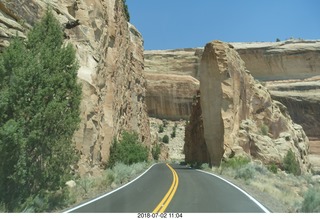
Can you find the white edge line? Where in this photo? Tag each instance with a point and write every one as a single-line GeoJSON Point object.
{"type": "Point", "coordinates": [249, 196]}
{"type": "Point", "coordinates": [109, 193]}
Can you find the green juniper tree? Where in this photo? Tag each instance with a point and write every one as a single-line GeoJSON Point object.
{"type": "Point", "coordinates": [39, 112]}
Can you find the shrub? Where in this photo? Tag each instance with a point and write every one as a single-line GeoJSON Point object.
{"type": "Point", "coordinates": [123, 173]}
{"type": "Point", "coordinates": [273, 168]}
{"type": "Point", "coordinates": [165, 139]}
{"type": "Point", "coordinates": [165, 123]}
{"type": "Point", "coordinates": [128, 150]}
{"type": "Point", "coordinates": [246, 172]}
{"type": "Point", "coordinates": [161, 129]}
{"type": "Point", "coordinates": [290, 164]}
{"type": "Point", "coordinates": [126, 10]}
{"type": "Point", "coordinates": [311, 202]}
{"type": "Point", "coordinates": [173, 134]}
{"type": "Point", "coordinates": [235, 162]}
{"type": "Point", "coordinates": [264, 129]}
{"type": "Point", "coordinates": [156, 150]}
{"type": "Point", "coordinates": [45, 201]}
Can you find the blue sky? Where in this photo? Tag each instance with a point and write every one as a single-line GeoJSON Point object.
{"type": "Point", "coordinates": [170, 24]}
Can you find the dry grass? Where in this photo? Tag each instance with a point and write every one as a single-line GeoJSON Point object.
{"type": "Point", "coordinates": [281, 192]}
{"type": "Point", "coordinates": [92, 186]}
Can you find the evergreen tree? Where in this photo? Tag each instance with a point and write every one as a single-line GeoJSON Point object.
{"type": "Point", "coordinates": [39, 112]}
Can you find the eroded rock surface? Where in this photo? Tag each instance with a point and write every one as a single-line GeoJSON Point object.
{"type": "Point", "coordinates": [266, 61]}
{"type": "Point", "coordinates": [239, 115]}
{"type": "Point", "coordinates": [170, 96]}
{"type": "Point", "coordinates": [110, 53]}
{"type": "Point", "coordinates": [195, 148]}
{"type": "Point", "coordinates": [286, 60]}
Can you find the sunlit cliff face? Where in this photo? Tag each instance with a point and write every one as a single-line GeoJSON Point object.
{"type": "Point", "coordinates": [110, 54]}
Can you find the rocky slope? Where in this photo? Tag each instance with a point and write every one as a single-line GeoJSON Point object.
{"type": "Point", "coordinates": [239, 116]}
{"type": "Point", "coordinates": [110, 53]}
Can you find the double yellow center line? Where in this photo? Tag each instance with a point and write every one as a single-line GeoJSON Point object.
{"type": "Point", "coordinates": [161, 207]}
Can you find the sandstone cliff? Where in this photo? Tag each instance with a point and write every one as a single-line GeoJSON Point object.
{"type": "Point", "coordinates": [171, 82]}
{"type": "Point", "coordinates": [238, 114]}
{"type": "Point", "coordinates": [110, 53]}
{"type": "Point", "coordinates": [170, 96]}
{"type": "Point", "coordinates": [292, 59]}
{"type": "Point", "coordinates": [302, 97]}
{"type": "Point", "coordinates": [269, 61]}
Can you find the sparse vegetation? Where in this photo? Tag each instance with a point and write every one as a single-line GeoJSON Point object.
{"type": "Point", "coordinates": [128, 150]}
{"type": "Point", "coordinates": [290, 164]}
{"type": "Point", "coordinates": [165, 123]}
{"type": "Point", "coordinates": [311, 202]}
{"type": "Point", "coordinates": [126, 10]}
{"type": "Point", "coordinates": [246, 172]}
{"type": "Point", "coordinates": [235, 162]}
{"type": "Point", "coordinates": [273, 168]}
{"type": "Point", "coordinates": [161, 129]}
{"type": "Point", "coordinates": [173, 134]}
{"type": "Point", "coordinates": [90, 186]}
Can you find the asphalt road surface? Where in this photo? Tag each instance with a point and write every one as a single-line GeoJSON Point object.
{"type": "Point", "coordinates": [174, 188]}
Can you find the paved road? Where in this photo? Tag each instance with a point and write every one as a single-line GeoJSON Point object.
{"type": "Point", "coordinates": [196, 192]}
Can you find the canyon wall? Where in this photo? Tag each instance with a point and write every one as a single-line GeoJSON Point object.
{"type": "Point", "coordinates": [110, 53]}
{"type": "Point", "coordinates": [292, 61]}
{"type": "Point", "coordinates": [171, 82]}
{"type": "Point", "coordinates": [239, 115]}
{"type": "Point", "coordinates": [302, 98]}
{"type": "Point", "coordinates": [170, 96]}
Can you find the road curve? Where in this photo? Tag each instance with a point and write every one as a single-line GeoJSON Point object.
{"type": "Point", "coordinates": [195, 192]}
{"type": "Point", "coordinates": [202, 192]}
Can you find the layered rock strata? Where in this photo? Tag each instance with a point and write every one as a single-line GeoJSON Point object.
{"type": "Point", "coordinates": [239, 116]}
{"type": "Point", "coordinates": [171, 82]}
{"type": "Point", "coordinates": [287, 60]}
{"type": "Point", "coordinates": [110, 53]}
{"type": "Point", "coordinates": [302, 98]}
{"type": "Point", "coordinates": [268, 61]}
{"type": "Point", "coordinates": [170, 96]}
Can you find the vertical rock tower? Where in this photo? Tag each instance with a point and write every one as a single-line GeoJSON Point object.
{"type": "Point", "coordinates": [238, 114]}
